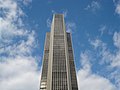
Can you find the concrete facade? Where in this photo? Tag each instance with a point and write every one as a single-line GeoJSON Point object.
{"type": "Point", "coordinates": [58, 69]}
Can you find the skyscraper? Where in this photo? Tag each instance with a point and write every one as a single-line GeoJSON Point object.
{"type": "Point", "coordinates": [58, 69]}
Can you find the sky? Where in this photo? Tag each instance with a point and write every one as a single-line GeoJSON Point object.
{"type": "Point", "coordinates": [95, 29]}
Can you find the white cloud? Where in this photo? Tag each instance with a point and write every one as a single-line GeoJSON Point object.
{"type": "Point", "coordinates": [104, 52]}
{"type": "Point", "coordinates": [85, 61]}
{"type": "Point", "coordinates": [102, 29]}
{"type": "Point", "coordinates": [8, 22]}
{"type": "Point", "coordinates": [114, 58]}
{"type": "Point", "coordinates": [90, 81]}
{"type": "Point", "coordinates": [87, 81]}
{"type": "Point", "coordinates": [117, 5]}
{"type": "Point", "coordinates": [18, 67]}
{"type": "Point", "coordinates": [117, 10]}
{"type": "Point", "coordinates": [116, 76]}
{"type": "Point", "coordinates": [116, 39]}
{"type": "Point", "coordinates": [110, 59]}
{"type": "Point", "coordinates": [70, 26]}
{"type": "Point", "coordinates": [96, 43]}
{"type": "Point", "coordinates": [93, 6]}
{"type": "Point", "coordinates": [53, 11]}
{"type": "Point", "coordinates": [19, 73]}
{"type": "Point", "coordinates": [26, 2]}
{"type": "Point", "coordinates": [49, 22]}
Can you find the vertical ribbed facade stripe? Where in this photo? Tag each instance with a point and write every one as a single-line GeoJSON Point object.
{"type": "Point", "coordinates": [71, 62]}
{"type": "Point", "coordinates": [58, 72]}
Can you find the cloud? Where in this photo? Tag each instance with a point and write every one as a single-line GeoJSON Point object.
{"type": "Point", "coordinates": [116, 77]}
{"type": "Point", "coordinates": [102, 29]}
{"type": "Point", "coordinates": [85, 61]}
{"type": "Point", "coordinates": [27, 2]}
{"type": "Point", "coordinates": [117, 5]}
{"type": "Point", "coordinates": [93, 6]}
{"type": "Point", "coordinates": [116, 39]}
{"type": "Point", "coordinates": [49, 22]}
{"type": "Point", "coordinates": [88, 80]}
{"type": "Point", "coordinates": [70, 27]}
{"type": "Point", "coordinates": [96, 43]}
{"type": "Point", "coordinates": [117, 10]}
{"type": "Point", "coordinates": [19, 73]}
{"type": "Point", "coordinates": [18, 66]}
{"type": "Point", "coordinates": [108, 57]}
{"type": "Point", "coordinates": [111, 59]}
{"type": "Point", "coordinates": [8, 22]}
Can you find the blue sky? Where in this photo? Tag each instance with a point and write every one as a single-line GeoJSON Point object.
{"type": "Point", "coordinates": [95, 29]}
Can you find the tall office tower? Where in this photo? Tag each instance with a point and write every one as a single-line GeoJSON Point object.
{"type": "Point", "coordinates": [58, 70]}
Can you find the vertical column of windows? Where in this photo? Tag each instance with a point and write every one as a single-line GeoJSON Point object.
{"type": "Point", "coordinates": [59, 74]}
